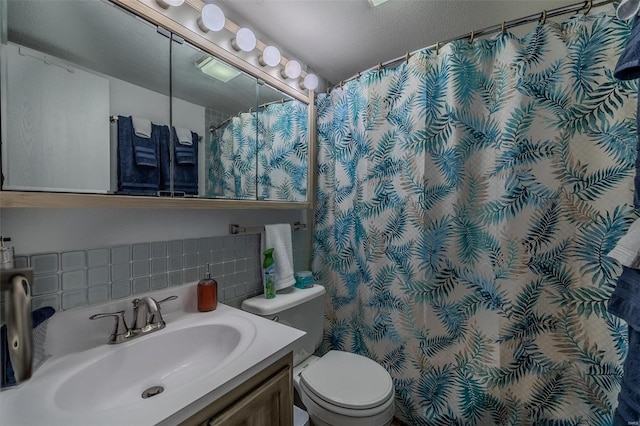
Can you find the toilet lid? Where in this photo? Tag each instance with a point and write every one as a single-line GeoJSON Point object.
{"type": "Point", "coordinates": [348, 380]}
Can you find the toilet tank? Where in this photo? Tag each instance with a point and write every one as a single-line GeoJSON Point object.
{"type": "Point", "coordinates": [302, 309]}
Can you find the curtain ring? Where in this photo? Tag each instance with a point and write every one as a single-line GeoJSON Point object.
{"type": "Point", "coordinates": [472, 37]}
{"type": "Point", "coordinates": [342, 84]}
{"type": "Point", "coordinates": [407, 57]}
{"type": "Point", "coordinates": [379, 67]}
{"type": "Point", "coordinates": [437, 48]}
{"type": "Point", "coordinates": [358, 77]}
{"type": "Point", "coordinates": [590, 4]}
{"type": "Point", "coordinates": [543, 17]}
{"type": "Point", "coordinates": [504, 28]}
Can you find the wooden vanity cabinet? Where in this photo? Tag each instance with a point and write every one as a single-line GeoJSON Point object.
{"type": "Point", "coordinates": [266, 399]}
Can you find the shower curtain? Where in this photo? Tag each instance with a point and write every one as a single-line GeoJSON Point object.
{"type": "Point", "coordinates": [466, 202]}
{"type": "Point", "coordinates": [231, 159]}
{"type": "Point", "coordinates": [275, 141]}
{"type": "Point", "coordinates": [282, 151]}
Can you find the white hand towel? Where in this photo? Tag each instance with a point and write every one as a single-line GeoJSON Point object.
{"type": "Point", "coordinates": [184, 136]}
{"type": "Point", "coordinates": [627, 251]}
{"type": "Point", "coordinates": [141, 127]}
{"type": "Point", "coordinates": [278, 237]}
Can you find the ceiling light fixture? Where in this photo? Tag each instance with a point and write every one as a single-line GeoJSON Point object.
{"type": "Point", "coordinates": [216, 69]}
{"type": "Point", "coordinates": [211, 18]}
{"type": "Point", "coordinates": [270, 56]}
{"type": "Point", "coordinates": [310, 82]}
{"type": "Point", "coordinates": [244, 40]}
{"type": "Point", "coordinates": [292, 70]}
{"type": "Point", "coordinates": [166, 4]}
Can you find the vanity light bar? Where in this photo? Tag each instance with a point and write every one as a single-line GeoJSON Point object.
{"type": "Point", "coordinates": [235, 229]}
{"type": "Point", "coordinates": [212, 18]}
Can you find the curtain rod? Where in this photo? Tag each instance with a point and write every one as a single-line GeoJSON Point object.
{"type": "Point", "coordinates": [266, 104]}
{"type": "Point", "coordinates": [540, 17]}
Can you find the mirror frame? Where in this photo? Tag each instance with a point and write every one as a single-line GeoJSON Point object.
{"type": "Point", "coordinates": [177, 24]}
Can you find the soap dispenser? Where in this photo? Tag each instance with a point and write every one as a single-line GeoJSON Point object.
{"type": "Point", "coordinates": [207, 293]}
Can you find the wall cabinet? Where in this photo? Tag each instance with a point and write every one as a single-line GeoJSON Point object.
{"type": "Point", "coordinates": [266, 399]}
{"type": "Point", "coordinates": [65, 84]}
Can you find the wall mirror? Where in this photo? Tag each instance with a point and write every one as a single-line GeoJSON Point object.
{"type": "Point", "coordinates": [76, 76]}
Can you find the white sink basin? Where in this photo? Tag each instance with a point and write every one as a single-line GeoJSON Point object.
{"type": "Point", "coordinates": [197, 358]}
{"type": "Point", "coordinates": [170, 359]}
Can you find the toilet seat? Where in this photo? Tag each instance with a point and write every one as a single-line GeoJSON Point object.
{"type": "Point", "coordinates": [348, 384]}
{"type": "Point", "coordinates": [316, 405]}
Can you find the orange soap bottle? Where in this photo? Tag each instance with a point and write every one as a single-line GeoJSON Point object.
{"type": "Point", "coordinates": [207, 293]}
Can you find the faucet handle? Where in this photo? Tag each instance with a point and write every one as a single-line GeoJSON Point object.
{"type": "Point", "coordinates": [166, 299]}
{"type": "Point", "coordinates": [120, 332]}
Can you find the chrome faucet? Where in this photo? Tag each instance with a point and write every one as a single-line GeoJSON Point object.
{"type": "Point", "coordinates": [146, 314]}
{"type": "Point", "coordinates": [147, 318]}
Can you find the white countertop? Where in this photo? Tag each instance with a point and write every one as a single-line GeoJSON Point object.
{"type": "Point", "coordinates": [74, 342]}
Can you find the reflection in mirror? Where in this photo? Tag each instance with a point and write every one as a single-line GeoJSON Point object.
{"type": "Point", "coordinates": [98, 100]}
{"type": "Point", "coordinates": [283, 142]}
{"type": "Point", "coordinates": [206, 94]}
{"type": "Point", "coordinates": [277, 162]}
{"type": "Point", "coordinates": [67, 68]}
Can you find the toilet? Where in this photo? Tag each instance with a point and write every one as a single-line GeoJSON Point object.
{"type": "Point", "coordinates": [339, 388]}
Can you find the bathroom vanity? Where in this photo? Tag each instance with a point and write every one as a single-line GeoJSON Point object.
{"type": "Point", "coordinates": [263, 400]}
{"type": "Point", "coordinates": [220, 367]}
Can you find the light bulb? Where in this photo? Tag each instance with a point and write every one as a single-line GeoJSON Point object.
{"type": "Point", "coordinates": [244, 40]}
{"type": "Point", "coordinates": [310, 82]}
{"type": "Point", "coordinates": [166, 4]}
{"type": "Point", "coordinates": [292, 69]}
{"type": "Point", "coordinates": [211, 18]}
{"type": "Point", "coordinates": [270, 56]}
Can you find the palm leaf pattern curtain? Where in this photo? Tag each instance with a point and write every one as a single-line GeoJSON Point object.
{"type": "Point", "coordinates": [283, 153]}
{"type": "Point", "coordinates": [231, 159]}
{"type": "Point", "coordinates": [465, 205]}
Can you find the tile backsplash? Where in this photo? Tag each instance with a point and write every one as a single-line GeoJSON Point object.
{"type": "Point", "coordinates": [83, 277]}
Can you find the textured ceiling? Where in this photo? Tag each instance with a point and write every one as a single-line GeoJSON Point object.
{"type": "Point", "coordinates": [339, 38]}
{"type": "Point", "coordinates": [336, 39]}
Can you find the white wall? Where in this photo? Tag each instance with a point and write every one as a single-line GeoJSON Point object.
{"type": "Point", "coordinates": [46, 230]}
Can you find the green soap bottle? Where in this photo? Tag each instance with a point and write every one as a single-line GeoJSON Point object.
{"type": "Point", "coordinates": [268, 267]}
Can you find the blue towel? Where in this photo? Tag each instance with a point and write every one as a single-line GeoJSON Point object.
{"type": "Point", "coordinates": [138, 171]}
{"type": "Point", "coordinates": [185, 155]}
{"type": "Point", "coordinates": [37, 317]}
{"type": "Point", "coordinates": [625, 304]}
{"type": "Point", "coordinates": [185, 163]}
{"type": "Point", "coordinates": [628, 68]}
